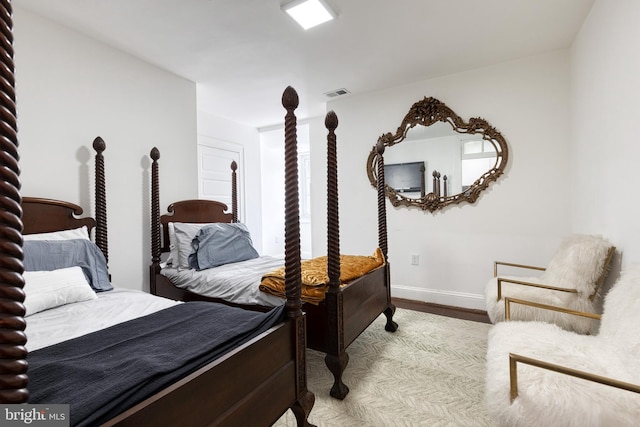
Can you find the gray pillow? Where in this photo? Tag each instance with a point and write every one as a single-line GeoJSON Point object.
{"type": "Point", "coordinates": [221, 243]}
{"type": "Point", "coordinates": [49, 255]}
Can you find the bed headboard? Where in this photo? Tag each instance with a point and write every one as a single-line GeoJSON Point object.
{"type": "Point", "coordinates": [41, 215]}
{"type": "Point", "coordinates": [193, 211]}
{"type": "Point", "coordinates": [45, 215]}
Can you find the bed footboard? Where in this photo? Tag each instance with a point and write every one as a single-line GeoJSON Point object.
{"type": "Point", "coordinates": [243, 392]}
{"type": "Point", "coordinates": [352, 310]}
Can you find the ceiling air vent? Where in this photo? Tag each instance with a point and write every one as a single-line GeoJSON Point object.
{"type": "Point", "coordinates": [337, 92]}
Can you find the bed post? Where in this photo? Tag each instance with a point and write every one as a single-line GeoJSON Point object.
{"type": "Point", "coordinates": [234, 191]}
{"type": "Point", "coordinates": [101, 236]}
{"type": "Point", "coordinates": [391, 326]}
{"type": "Point", "coordinates": [13, 354]}
{"type": "Point", "coordinates": [336, 358]}
{"type": "Point", "coordinates": [154, 269]}
{"type": "Point", "coordinates": [382, 211]}
{"type": "Point", "coordinates": [293, 278]}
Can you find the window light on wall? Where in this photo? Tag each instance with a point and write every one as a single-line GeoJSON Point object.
{"type": "Point", "coordinates": [309, 13]}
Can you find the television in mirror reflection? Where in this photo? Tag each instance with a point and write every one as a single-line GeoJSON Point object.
{"type": "Point", "coordinates": [405, 177]}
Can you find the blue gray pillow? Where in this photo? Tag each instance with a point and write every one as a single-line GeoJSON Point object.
{"type": "Point", "coordinates": [221, 243]}
{"type": "Point", "coordinates": [49, 255]}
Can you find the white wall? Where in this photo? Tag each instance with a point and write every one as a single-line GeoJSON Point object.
{"type": "Point", "coordinates": [605, 106]}
{"type": "Point", "coordinates": [522, 217]}
{"type": "Point", "coordinates": [272, 151]}
{"type": "Point", "coordinates": [69, 90]}
{"type": "Point", "coordinates": [220, 129]}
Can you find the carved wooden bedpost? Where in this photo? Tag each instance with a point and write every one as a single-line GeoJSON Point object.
{"type": "Point", "coordinates": [293, 276]}
{"type": "Point", "coordinates": [101, 235]}
{"type": "Point", "coordinates": [445, 193]}
{"type": "Point", "coordinates": [333, 219]}
{"type": "Point", "coordinates": [336, 358]}
{"type": "Point", "coordinates": [13, 354]}
{"type": "Point", "coordinates": [234, 190]}
{"type": "Point", "coordinates": [423, 184]}
{"type": "Point", "coordinates": [155, 219]}
{"type": "Point", "coordinates": [382, 212]}
{"type": "Point", "coordinates": [391, 326]}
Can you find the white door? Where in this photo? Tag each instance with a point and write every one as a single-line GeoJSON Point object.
{"type": "Point", "coordinates": [214, 171]}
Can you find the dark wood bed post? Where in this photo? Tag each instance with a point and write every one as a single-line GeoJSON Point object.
{"type": "Point", "coordinates": [391, 326]}
{"type": "Point", "coordinates": [154, 269]}
{"type": "Point", "coordinates": [13, 354]}
{"type": "Point", "coordinates": [382, 210]}
{"type": "Point", "coordinates": [234, 190]}
{"type": "Point", "coordinates": [336, 358]}
{"type": "Point", "coordinates": [101, 235]}
{"type": "Point", "coordinates": [293, 276]}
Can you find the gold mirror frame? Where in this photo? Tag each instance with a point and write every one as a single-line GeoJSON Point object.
{"type": "Point", "coordinates": [425, 113]}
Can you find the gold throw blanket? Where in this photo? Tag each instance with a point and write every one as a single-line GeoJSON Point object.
{"type": "Point", "coordinates": [315, 276]}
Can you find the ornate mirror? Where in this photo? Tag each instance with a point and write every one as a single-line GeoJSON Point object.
{"type": "Point", "coordinates": [442, 160]}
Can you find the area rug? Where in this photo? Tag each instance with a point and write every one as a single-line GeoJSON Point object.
{"type": "Point", "coordinates": [430, 372]}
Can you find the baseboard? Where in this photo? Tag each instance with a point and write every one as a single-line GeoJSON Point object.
{"type": "Point", "coordinates": [443, 310]}
{"type": "Point", "coordinates": [447, 298]}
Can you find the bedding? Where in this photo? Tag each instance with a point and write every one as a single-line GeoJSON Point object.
{"type": "Point", "coordinates": [40, 255]}
{"type": "Point", "coordinates": [72, 320]}
{"type": "Point", "coordinates": [76, 233]}
{"type": "Point", "coordinates": [235, 282]}
{"type": "Point", "coordinates": [315, 277]}
{"type": "Point", "coordinates": [49, 289]}
{"type": "Point", "coordinates": [129, 361]}
{"type": "Point", "coordinates": [181, 235]}
{"type": "Point", "coordinates": [221, 243]}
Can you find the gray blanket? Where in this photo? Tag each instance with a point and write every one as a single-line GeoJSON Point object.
{"type": "Point", "coordinates": [104, 373]}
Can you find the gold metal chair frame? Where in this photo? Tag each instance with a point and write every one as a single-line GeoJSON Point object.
{"type": "Point", "coordinates": [515, 358]}
{"type": "Point", "coordinates": [508, 301]}
{"type": "Point", "coordinates": [607, 263]}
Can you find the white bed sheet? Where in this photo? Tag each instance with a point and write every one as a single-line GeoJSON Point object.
{"type": "Point", "coordinates": [237, 282]}
{"type": "Point", "coordinates": [73, 320]}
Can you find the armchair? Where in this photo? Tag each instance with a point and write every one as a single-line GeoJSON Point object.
{"type": "Point", "coordinates": [572, 280]}
{"type": "Point", "coordinates": [540, 374]}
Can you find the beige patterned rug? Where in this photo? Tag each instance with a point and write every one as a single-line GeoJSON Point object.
{"type": "Point", "coordinates": [430, 372]}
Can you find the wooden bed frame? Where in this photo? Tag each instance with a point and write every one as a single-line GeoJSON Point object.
{"type": "Point", "coordinates": [347, 311]}
{"type": "Point", "coordinates": [240, 388]}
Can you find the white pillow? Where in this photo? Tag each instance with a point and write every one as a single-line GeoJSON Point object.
{"type": "Point", "coordinates": [183, 234]}
{"type": "Point", "coordinates": [76, 233]}
{"type": "Point", "coordinates": [49, 289]}
{"type": "Point", "coordinates": [173, 246]}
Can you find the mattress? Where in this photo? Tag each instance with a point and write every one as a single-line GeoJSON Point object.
{"type": "Point", "coordinates": [73, 320]}
{"type": "Point", "coordinates": [237, 282]}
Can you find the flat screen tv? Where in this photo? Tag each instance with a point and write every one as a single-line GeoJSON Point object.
{"type": "Point", "coordinates": [405, 177]}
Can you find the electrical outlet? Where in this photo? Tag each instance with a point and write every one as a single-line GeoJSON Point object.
{"type": "Point", "coordinates": [415, 259]}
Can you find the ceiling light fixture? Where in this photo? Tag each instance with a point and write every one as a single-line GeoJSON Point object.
{"type": "Point", "coordinates": [309, 13]}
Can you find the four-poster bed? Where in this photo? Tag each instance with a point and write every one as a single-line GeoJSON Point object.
{"type": "Point", "coordinates": [347, 309]}
{"type": "Point", "coordinates": [235, 385]}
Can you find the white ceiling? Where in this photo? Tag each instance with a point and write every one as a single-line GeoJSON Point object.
{"type": "Point", "coordinates": [243, 53]}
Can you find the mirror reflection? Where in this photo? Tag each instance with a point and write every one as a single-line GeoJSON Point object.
{"type": "Point", "coordinates": [442, 159]}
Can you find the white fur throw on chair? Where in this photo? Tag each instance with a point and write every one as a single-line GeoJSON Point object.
{"type": "Point", "coordinates": [547, 398]}
{"type": "Point", "coordinates": [578, 264]}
